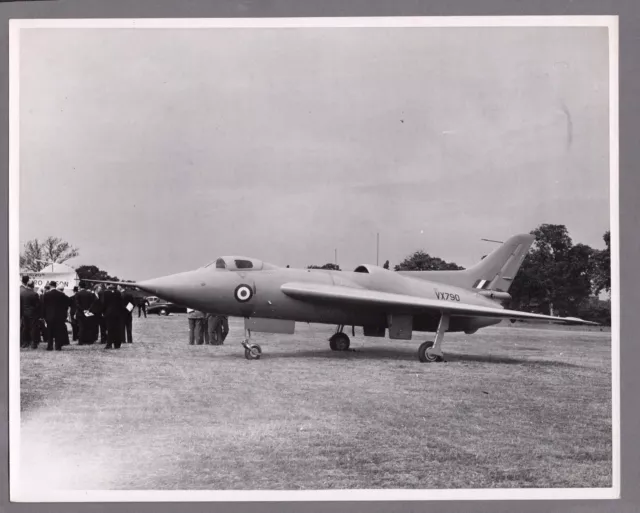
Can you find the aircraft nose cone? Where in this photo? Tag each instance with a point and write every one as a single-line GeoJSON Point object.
{"type": "Point", "coordinates": [176, 287]}
{"type": "Point", "coordinates": [157, 285]}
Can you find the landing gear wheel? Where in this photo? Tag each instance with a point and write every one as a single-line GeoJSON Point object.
{"type": "Point", "coordinates": [425, 357]}
{"type": "Point", "coordinates": [339, 342]}
{"type": "Point", "coordinates": [252, 352]}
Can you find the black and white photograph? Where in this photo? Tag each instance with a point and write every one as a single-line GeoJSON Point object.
{"type": "Point", "coordinates": [314, 259]}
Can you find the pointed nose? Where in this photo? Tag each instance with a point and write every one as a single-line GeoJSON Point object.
{"type": "Point", "coordinates": [177, 288]}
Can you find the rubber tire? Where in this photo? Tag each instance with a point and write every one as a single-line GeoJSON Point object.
{"type": "Point", "coordinates": [332, 344]}
{"type": "Point", "coordinates": [163, 312]}
{"type": "Point", "coordinates": [424, 357]}
{"type": "Point", "coordinates": [341, 341]}
{"type": "Point", "coordinates": [254, 352]}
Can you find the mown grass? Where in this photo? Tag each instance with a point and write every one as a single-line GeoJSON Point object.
{"type": "Point", "coordinates": [510, 408]}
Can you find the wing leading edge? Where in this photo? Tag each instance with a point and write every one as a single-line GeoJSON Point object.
{"type": "Point", "coordinates": [374, 298]}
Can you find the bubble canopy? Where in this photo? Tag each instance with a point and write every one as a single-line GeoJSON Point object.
{"type": "Point", "coordinates": [239, 263]}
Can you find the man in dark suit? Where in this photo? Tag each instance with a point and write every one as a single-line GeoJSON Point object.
{"type": "Point", "coordinates": [142, 306]}
{"type": "Point", "coordinates": [112, 307]}
{"type": "Point", "coordinates": [98, 311]}
{"type": "Point", "coordinates": [65, 333]}
{"type": "Point", "coordinates": [41, 321]}
{"type": "Point", "coordinates": [87, 321]}
{"type": "Point", "coordinates": [128, 302]}
{"type": "Point", "coordinates": [23, 292]}
{"type": "Point", "coordinates": [73, 315]}
{"type": "Point", "coordinates": [29, 311]}
{"type": "Point", "coordinates": [24, 341]}
{"type": "Point", "coordinates": [56, 305]}
{"type": "Point", "coordinates": [38, 320]}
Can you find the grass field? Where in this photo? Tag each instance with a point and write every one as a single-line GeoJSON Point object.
{"type": "Point", "coordinates": [510, 408]}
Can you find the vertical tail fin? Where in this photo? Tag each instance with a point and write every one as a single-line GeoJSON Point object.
{"type": "Point", "coordinates": [498, 269]}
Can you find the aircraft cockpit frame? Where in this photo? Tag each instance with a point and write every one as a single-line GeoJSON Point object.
{"type": "Point", "coordinates": [238, 263]}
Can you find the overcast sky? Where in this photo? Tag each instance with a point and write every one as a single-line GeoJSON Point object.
{"type": "Point", "coordinates": [154, 151]}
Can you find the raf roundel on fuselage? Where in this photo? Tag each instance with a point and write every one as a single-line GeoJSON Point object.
{"type": "Point", "coordinates": [239, 263]}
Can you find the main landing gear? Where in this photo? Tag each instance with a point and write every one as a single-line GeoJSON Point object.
{"type": "Point", "coordinates": [431, 351]}
{"type": "Point", "coordinates": [339, 341]}
{"type": "Point", "coordinates": [251, 351]}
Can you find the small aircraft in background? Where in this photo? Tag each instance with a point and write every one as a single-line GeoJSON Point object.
{"type": "Point", "coordinates": [60, 273]}
{"type": "Point", "coordinates": [272, 299]}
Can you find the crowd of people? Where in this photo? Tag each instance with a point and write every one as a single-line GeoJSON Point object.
{"type": "Point", "coordinates": [96, 314]}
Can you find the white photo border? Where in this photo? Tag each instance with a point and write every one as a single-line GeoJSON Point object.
{"type": "Point", "coordinates": [20, 495]}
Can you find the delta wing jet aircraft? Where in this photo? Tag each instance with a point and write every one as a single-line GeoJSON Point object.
{"type": "Point", "coordinates": [272, 299]}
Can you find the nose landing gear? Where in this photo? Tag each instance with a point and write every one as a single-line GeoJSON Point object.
{"type": "Point", "coordinates": [251, 351]}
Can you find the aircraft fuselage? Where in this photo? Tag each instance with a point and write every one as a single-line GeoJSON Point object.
{"type": "Point", "coordinates": [258, 294]}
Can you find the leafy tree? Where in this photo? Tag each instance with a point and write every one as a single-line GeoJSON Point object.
{"type": "Point", "coordinates": [555, 277]}
{"type": "Point", "coordinates": [386, 265]}
{"type": "Point", "coordinates": [421, 261]}
{"type": "Point", "coordinates": [578, 286]}
{"type": "Point", "coordinates": [92, 272]}
{"type": "Point", "coordinates": [37, 253]}
{"type": "Point", "coordinates": [331, 267]}
{"type": "Point", "coordinates": [602, 267]}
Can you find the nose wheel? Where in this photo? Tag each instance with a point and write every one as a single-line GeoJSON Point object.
{"type": "Point", "coordinates": [251, 351]}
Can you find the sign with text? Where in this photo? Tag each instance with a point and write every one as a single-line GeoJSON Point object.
{"type": "Point", "coordinates": [40, 279]}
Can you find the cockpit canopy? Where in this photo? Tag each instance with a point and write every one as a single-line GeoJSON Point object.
{"type": "Point", "coordinates": [239, 263]}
